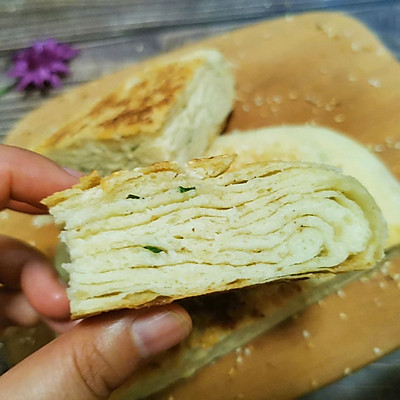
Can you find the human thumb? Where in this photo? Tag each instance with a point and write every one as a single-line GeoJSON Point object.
{"type": "Point", "coordinates": [95, 357]}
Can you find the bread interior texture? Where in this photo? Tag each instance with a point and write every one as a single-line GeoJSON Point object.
{"type": "Point", "coordinates": [170, 231]}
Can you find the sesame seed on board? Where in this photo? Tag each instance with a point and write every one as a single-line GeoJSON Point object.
{"type": "Point", "coordinates": [347, 371]}
{"type": "Point", "coordinates": [341, 293]}
{"type": "Point", "coordinates": [343, 316]}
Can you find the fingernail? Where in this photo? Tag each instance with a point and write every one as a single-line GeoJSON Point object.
{"type": "Point", "coordinates": [156, 332]}
{"type": "Point", "coordinates": [60, 326]}
{"type": "Point", "coordinates": [73, 172]}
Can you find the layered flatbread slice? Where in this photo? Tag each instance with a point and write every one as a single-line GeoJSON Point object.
{"type": "Point", "coordinates": [170, 231]}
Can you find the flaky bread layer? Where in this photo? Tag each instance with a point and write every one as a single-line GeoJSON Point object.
{"type": "Point", "coordinates": [170, 231]}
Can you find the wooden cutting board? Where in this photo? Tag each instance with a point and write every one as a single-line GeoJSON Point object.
{"type": "Point", "coordinates": [320, 68]}
{"type": "Point", "coordinates": [325, 69]}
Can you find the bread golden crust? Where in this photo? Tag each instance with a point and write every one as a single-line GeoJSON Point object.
{"type": "Point", "coordinates": [206, 167]}
{"type": "Point", "coordinates": [136, 107]}
{"type": "Point", "coordinates": [54, 115]}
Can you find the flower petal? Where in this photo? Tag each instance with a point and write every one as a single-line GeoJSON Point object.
{"type": "Point", "coordinates": [41, 63]}
{"type": "Point", "coordinates": [19, 69]}
{"type": "Point", "coordinates": [59, 67]}
{"type": "Point", "coordinates": [55, 81]}
{"type": "Point", "coordinates": [24, 82]}
{"type": "Point", "coordinates": [42, 75]}
{"type": "Point", "coordinates": [66, 52]}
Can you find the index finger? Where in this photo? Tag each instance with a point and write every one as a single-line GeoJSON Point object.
{"type": "Point", "coordinates": [24, 266]}
{"type": "Point", "coordinates": [27, 177]}
{"type": "Point", "coordinates": [14, 254]}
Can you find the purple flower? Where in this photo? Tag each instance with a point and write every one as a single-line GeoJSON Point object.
{"type": "Point", "coordinates": [43, 62]}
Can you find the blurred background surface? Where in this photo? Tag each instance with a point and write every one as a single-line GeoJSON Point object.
{"type": "Point", "coordinates": [111, 34]}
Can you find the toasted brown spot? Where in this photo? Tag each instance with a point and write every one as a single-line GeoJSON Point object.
{"type": "Point", "coordinates": [131, 110]}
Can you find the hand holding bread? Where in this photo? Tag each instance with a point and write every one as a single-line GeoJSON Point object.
{"type": "Point", "coordinates": [131, 234]}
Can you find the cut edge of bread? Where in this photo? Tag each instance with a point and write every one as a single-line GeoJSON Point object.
{"type": "Point", "coordinates": [210, 178]}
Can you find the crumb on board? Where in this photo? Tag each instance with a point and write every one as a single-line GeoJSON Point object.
{"type": "Point", "coordinates": [258, 101]}
{"type": "Point", "coordinates": [382, 285]}
{"type": "Point", "coordinates": [376, 83]}
{"type": "Point", "coordinates": [343, 316]}
{"type": "Point", "coordinates": [341, 293]}
{"type": "Point", "coordinates": [385, 267]}
{"type": "Point", "coordinates": [364, 279]}
{"type": "Point", "coordinates": [306, 334]}
{"type": "Point", "coordinates": [378, 302]}
{"type": "Point", "coordinates": [277, 99]}
{"type": "Point", "coordinates": [377, 351]}
{"type": "Point", "coordinates": [247, 351]}
{"type": "Point", "coordinates": [351, 77]}
{"type": "Point", "coordinates": [347, 371]}
{"type": "Point", "coordinates": [4, 215]}
{"type": "Point", "coordinates": [339, 118]}
{"type": "Point", "coordinates": [39, 221]}
{"type": "Point", "coordinates": [245, 107]}
{"type": "Point", "coordinates": [314, 383]}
